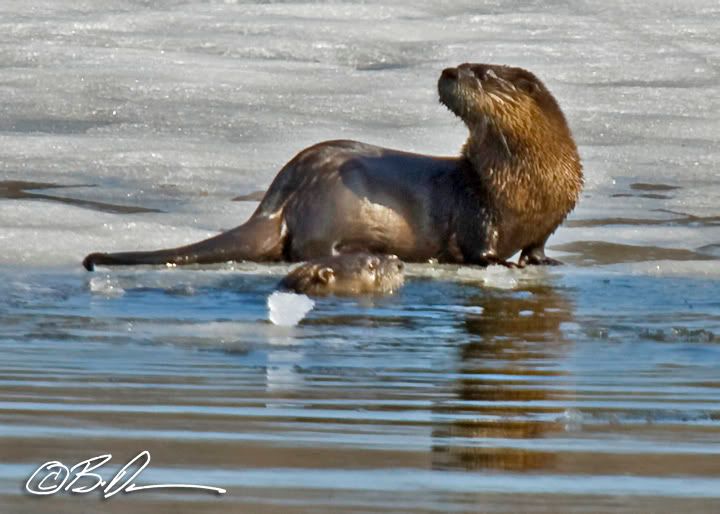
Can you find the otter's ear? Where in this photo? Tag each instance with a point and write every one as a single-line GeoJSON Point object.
{"type": "Point", "coordinates": [326, 275]}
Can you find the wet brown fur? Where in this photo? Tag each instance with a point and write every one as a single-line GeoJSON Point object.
{"type": "Point", "coordinates": [520, 146]}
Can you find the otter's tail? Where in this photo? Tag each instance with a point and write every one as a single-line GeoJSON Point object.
{"type": "Point", "coordinates": [259, 239]}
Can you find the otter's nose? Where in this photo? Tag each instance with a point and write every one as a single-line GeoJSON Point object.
{"type": "Point", "coordinates": [400, 266]}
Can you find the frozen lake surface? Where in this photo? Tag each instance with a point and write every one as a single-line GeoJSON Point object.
{"type": "Point", "coordinates": [594, 387]}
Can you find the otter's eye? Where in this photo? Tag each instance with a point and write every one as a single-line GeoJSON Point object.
{"type": "Point", "coordinates": [479, 71]}
{"type": "Point", "coordinates": [483, 72]}
{"type": "Point", "coordinates": [372, 264]}
{"type": "Point", "coordinates": [527, 86]}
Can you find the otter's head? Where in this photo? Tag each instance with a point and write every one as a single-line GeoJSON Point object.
{"type": "Point", "coordinates": [382, 273]}
{"type": "Point", "coordinates": [348, 274]}
{"type": "Point", "coordinates": [512, 101]}
{"type": "Point", "coordinates": [519, 143]}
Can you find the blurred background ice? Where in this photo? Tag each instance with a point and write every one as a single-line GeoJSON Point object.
{"type": "Point", "coordinates": [180, 106]}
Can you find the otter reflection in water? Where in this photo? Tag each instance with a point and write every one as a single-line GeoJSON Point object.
{"type": "Point", "coordinates": [505, 368]}
{"type": "Point", "coordinates": [517, 178]}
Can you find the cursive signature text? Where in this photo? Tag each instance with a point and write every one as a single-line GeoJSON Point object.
{"type": "Point", "coordinates": [53, 477]}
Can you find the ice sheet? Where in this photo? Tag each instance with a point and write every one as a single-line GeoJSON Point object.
{"type": "Point", "coordinates": [182, 106]}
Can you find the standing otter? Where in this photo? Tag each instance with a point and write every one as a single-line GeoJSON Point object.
{"type": "Point", "coordinates": [346, 275]}
{"type": "Point", "coordinates": [518, 177]}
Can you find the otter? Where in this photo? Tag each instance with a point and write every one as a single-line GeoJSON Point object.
{"type": "Point", "coordinates": [517, 178]}
{"type": "Point", "coordinates": [346, 275]}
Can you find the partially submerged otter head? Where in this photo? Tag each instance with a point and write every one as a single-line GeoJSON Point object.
{"type": "Point", "coordinates": [347, 275]}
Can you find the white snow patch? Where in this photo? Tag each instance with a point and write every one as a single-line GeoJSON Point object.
{"type": "Point", "coordinates": [288, 309]}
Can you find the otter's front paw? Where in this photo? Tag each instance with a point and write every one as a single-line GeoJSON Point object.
{"type": "Point", "coordinates": [532, 260]}
{"type": "Point", "coordinates": [489, 259]}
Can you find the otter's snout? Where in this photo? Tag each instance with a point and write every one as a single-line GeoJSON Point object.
{"type": "Point", "coordinates": [449, 73]}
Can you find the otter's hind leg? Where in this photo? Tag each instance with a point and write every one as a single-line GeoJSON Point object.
{"type": "Point", "coordinates": [261, 238]}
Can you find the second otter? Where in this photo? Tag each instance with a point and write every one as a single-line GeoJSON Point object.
{"type": "Point", "coordinates": [347, 275]}
{"type": "Point", "coordinates": [518, 177]}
